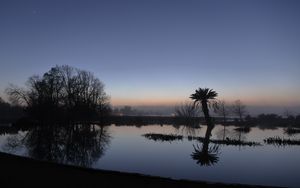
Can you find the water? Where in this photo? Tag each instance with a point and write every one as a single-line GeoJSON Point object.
{"type": "Point", "coordinates": [124, 148]}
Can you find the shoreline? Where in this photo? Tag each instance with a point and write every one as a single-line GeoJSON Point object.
{"type": "Point", "coordinates": [19, 171]}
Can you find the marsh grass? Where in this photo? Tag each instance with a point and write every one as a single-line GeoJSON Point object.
{"type": "Point", "coordinates": [163, 137]}
{"type": "Point", "coordinates": [281, 141]}
{"type": "Point", "coordinates": [228, 141]}
{"type": "Point", "coordinates": [243, 129]}
{"type": "Point", "coordinates": [292, 131]}
{"type": "Point", "coordinates": [174, 137]}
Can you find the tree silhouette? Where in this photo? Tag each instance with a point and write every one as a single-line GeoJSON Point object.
{"type": "Point", "coordinates": [239, 109]}
{"type": "Point", "coordinates": [186, 110]}
{"type": "Point", "coordinates": [63, 91]}
{"type": "Point", "coordinates": [203, 96]}
{"type": "Point", "coordinates": [205, 155]}
{"type": "Point", "coordinates": [222, 109]}
{"type": "Point", "coordinates": [8, 111]}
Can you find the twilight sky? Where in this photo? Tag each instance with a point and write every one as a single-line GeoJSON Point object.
{"type": "Point", "coordinates": [157, 52]}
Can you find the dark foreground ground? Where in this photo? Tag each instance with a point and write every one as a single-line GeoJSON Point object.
{"type": "Point", "coordinates": [23, 172]}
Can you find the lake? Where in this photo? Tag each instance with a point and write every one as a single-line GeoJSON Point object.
{"type": "Point", "coordinates": [226, 155]}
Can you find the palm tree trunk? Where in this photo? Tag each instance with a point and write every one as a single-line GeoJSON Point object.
{"type": "Point", "coordinates": [224, 133]}
{"type": "Point", "coordinates": [206, 138]}
{"type": "Point", "coordinates": [206, 112]}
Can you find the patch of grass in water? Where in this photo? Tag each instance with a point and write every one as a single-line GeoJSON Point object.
{"type": "Point", "coordinates": [243, 129]}
{"type": "Point", "coordinates": [163, 137]}
{"type": "Point", "coordinates": [174, 137]}
{"type": "Point", "coordinates": [227, 141]}
{"type": "Point", "coordinates": [291, 131]}
{"type": "Point", "coordinates": [235, 142]}
{"type": "Point", "coordinates": [281, 141]}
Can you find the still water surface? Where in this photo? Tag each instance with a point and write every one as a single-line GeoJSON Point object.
{"type": "Point", "coordinates": [124, 148]}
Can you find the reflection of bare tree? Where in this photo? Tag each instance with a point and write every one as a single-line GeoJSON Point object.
{"type": "Point", "coordinates": [188, 130]}
{"type": "Point", "coordinates": [72, 144]}
{"type": "Point", "coordinates": [222, 133]}
{"type": "Point", "coordinates": [14, 143]}
{"type": "Point", "coordinates": [241, 131]}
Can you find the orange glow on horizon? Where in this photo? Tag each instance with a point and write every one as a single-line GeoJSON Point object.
{"type": "Point", "coordinates": [247, 100]}
{"type": "Point", "coordinates": [146, 101]}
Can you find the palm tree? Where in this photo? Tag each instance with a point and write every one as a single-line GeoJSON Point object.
{"type": "Point", "coordinates": [203, 95]}
{"type": "Point", "coordinates": [205, 155]}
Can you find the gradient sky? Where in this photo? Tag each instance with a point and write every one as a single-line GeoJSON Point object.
{"type": "Point", "coordinates": [156, 51]}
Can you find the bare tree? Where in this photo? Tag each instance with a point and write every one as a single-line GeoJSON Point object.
{"type": "Point", "coordinates": [18, 95]}
{"type": "Point", "coordinates": [186, 109]}
{"type": "Point", "coordinates": [222, 109]}
{"type": "Point", "coordinates": [1, 100]}
{"type": "Point", "coordinates": [62, 89]}
{"type": "Point", "coordinates": [239, 109]}
{"type": "Point", "coordinates": [287, 113]}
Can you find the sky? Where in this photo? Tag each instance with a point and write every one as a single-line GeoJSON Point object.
{"type": "Point", "coordinates": [157, 52]}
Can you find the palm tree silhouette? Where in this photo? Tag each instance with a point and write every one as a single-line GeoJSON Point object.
{"type": "Point", "coordinates": [203, 96]}
{"type": "Point", "coordinates": [205, 155]}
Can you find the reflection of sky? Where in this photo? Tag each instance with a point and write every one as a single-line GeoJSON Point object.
{"type": "Point", "coordinates": [264, 165]}
{"type": "Point", "coordinates": [158, 50]}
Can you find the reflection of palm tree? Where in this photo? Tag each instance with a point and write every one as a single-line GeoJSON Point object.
{"type": "Point", "coordinates": [203, 95]}
{"type": "Point", "coordinates": [206, 155]}
{"type": "Point", "coordinates": [224, 131]}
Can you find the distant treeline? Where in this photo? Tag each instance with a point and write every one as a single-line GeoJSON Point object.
{"type": "Point", "coordinates": [10, 113]}
{"type": "Point", "coordinates": [273, 120]}
{"type": "Point", "coordinates": [263, 121]}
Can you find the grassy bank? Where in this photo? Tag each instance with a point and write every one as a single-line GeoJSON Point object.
{"type": "Point", "coordinates": [23, 172]}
